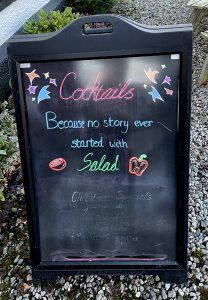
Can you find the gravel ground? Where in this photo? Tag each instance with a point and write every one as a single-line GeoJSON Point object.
{"type": "Point", "coordinates": [15, 271]}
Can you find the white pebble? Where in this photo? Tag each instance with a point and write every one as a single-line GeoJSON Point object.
{"type": "Point", "coordinates": [138, 294]}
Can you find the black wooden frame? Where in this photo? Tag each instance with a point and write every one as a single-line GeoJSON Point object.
{"type": "Point", "coordinates": [128, 38]}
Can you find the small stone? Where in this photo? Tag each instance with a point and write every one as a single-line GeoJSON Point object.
{"type": "Point", "coordinates": [159, 285]}
{"type": "Point", "coordinates": [138, 294]}
{"type": "Point", "coordinates": [170, 294]}
{"type": "Point", "coordinates": [37, 296]}
{"type": "Point", "coordinates": [66, 285]}
{"type": "Point", "coordinates": [141, 288]}
{"type": "Point", "coordinates": [29, 277]}
{"type": "Point", "coordinates": [181, 293]}
{"type": "Point", "coordinates": [157, 278]}
{"type": "Point", "coordinates": [122, 288]}
{"type": "Point", "coordinates": [167, 286]}
{"type": "Point", "coordinates": [20, 261]}
{"type": "Point", "coordinates": [99, 296]}
{"type": "Point", "coordinates": [196, 260]}
{"type": "Point", "coordinates": [187, 291]}
{"type": "Point", "coordinates": [62, 280]}
{"type": "Point", "coordinates": [164, 295]}
{"type": "Point", "coordinates": [25, 287]}
{"type": "Point", "coordinates": [12, 280]}
{"type": "Point", "coordinates": [16, 259]}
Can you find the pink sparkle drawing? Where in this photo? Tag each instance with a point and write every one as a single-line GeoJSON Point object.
{"type": "Point", "coordinates": [32, 89]}
{"type": "Point", "coordinates": [167, 80]}
{"type": "Point", "coordinates": [53, 81]}
{"type": "Point", "coordinates": [168, 92]}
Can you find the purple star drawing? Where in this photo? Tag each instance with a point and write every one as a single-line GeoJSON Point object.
{"type": "Point", "coordinates": [167, 80]}
{"type": "Point", "coordinates": [32, 89]}
{"type": "Point", "coordinates": [53, 81]}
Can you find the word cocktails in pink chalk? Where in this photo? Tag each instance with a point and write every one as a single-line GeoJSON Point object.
{"type": "Point", "coordinates": [97, 91]}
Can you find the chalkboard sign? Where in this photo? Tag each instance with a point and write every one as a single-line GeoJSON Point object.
{"type": "Point", "coordinates": [103, 122]}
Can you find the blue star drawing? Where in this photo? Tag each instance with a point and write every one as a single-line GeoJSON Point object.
{"type": "Point", "coordinates": [155, 94]}
{"type": "Point", "coordinates": [43, 94]}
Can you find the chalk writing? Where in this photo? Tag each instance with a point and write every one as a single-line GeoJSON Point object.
{"type": "Point", "coordinates": [97, 91]}
{"type": "Point", "coordinates": [138, 123]}
{"type": "Point", "coordinates": [118, 144]}
{"type": "Point", "coordinates": [146, 197]}
{"type": "Point", "coordinates": [110, 122]}
{"type": "Point", "coordinates": [87, 143]}
{"type": "Point", "coordinates": [165, 126]}
{"type": "Point", "coordinates": [86, 197]}
{"type": "Point", "coordinates": [52, 123]}
{"type": "Point", "coordinates": [101, 165]}
{"type": "Point", "coordinates": [93, 123]}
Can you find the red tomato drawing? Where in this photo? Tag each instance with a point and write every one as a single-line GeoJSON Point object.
{"type": "Point", "coordinates": [57, 164]}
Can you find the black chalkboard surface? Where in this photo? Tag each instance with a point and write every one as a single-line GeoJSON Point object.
{"type": "Point", "coordinates": [104, 141]}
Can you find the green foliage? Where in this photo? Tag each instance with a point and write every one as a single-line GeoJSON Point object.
{"type": "Point", "coordinates": [6, 149]}
{"type": "Point", "coordinates": [8, 146]}
{"type": "Point", "coordinates": [93, 6]}
{"type": "Point", "coordinates": [2, 198]}
{"type": "Point", "coordinates": [50, 21]}
{"type": "Point", "coordinates": [5, 145]}
{"type": "Point", "coordinates": [5, 296]}
{"type": "Point", "coordinates": [195, 280]}
{"type": "Point", "coordinates": [200, 255]}
{"type": "Point", "coordinates": [204, 293]}
{"type": "Point", "coordinates": [10, 83]}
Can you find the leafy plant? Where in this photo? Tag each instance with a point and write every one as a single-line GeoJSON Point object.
{"type": "Point", "coordinates": [195, 280]}
{"type": "Point", "coordinates": [204, 293]}
{"type": "Point", "coordinates": [5, 146]}
{"type": "Point", "coordinates": [50, 21]}
{"type": "Point", "coordinates": [200, 255]}
{"type": "Point", "coordinates": [8, 147]}
{"type": "Point", "coordinates": [93, 6]}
